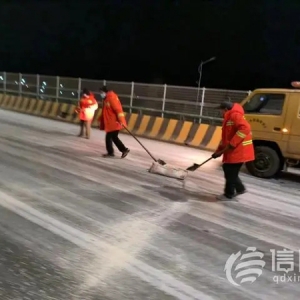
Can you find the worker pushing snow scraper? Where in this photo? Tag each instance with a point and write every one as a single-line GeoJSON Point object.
{"type": "Point", "coordinates": [236, 146]}
{"type": "Point", "coordinates": [112, 120]}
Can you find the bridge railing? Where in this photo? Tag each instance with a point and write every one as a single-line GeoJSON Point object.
{"type": "Point", "coordinates": [179, 102]}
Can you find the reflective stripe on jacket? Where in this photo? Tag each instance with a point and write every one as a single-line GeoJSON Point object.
{"type": "Point", "coordinates": [112, 113]}
{"type": "Point", "coordinates": [236, 131]}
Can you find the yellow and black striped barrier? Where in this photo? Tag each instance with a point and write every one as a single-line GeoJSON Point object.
{"type": "Point", "coordinates": [169, 130]}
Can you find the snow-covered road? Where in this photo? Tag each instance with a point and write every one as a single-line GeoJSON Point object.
{"type": "Point", "coordinates": [74, 225]}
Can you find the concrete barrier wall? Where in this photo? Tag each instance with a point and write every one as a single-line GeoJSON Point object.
{"type": "Point", "coordinates": [169, 130]}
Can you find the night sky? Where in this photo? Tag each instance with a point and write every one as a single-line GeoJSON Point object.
{"type": "Point", "coordinates": [257, 43]}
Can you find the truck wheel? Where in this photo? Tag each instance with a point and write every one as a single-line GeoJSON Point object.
{"type": "Point", "coordinates": [266, 164]}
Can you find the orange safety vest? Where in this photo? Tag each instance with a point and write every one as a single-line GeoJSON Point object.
{"type": "Point", "coordinates": [236, 131]}
{"type": "Point", "coordinates": [112, 115]}
{"type": "Point", "coordinates": [88, 106]}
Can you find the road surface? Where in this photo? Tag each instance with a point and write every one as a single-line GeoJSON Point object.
{"type": "Point", "coordinates": [74, 225]}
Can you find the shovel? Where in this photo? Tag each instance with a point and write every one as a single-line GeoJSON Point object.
{"type": "Point", "coordinates": [194, 167]}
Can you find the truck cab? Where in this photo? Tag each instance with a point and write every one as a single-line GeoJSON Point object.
{"type": "Point", "coordinates": [274, 116]}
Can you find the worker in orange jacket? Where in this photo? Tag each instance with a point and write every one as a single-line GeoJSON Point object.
{"type": "Point", "coordinates": [86, 109]}
{"type": "Point", "coordinates": [236, 147]}
{"type": "Point", "coordinates": [112, 120]}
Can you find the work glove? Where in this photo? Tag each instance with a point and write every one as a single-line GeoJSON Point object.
{"type": "Point", "coordinates": [220, 153]}
{"type": "Point", "coordinates": [216, 154]}
{"type": "Point", "coordinates": [101, 125]}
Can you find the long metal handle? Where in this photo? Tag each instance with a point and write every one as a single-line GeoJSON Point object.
{"type": "Point", "coordinates": [139, 142]}
{"type": "Point", "coordinates": [205, 161]}
{"type": "Point", "coordinates": [195, 166]}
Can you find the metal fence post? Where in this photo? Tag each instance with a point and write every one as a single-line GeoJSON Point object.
{"type": "Point", "coordinates": [249, 92]}
{"type": "Point", "coordinates": [164, 100]}
{"type": "Point", "coordinates": [37, 86]}
{"type": "Point", "coordinates": [202, 104]}
{"type": "Point", "coordinates": [131, 97]}
{"type": "Point", "coordinates": [4, 82]}
{"type": "Point", "coordinates": [20, 84]}
{"type": "Point", "coordinates": [57, 88]}
{"type": "Point", "coordinates": [104, 82]}
{"type": "Point", "coordinates": [79, 88]}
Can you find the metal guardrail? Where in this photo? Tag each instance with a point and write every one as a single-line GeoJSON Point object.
{"type": "Point", "coordinates": [174, 115]}
{"type": "Point", "coordinates": [178, 102]}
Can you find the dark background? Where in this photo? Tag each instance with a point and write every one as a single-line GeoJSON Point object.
{"type": "Point", "coordinates": [257, 43]}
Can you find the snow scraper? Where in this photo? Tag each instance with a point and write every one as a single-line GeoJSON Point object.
{"type": "Point", "coordinates": [159, 166]}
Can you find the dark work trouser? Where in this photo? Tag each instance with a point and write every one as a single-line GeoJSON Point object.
{"type": "Point", "coordinates": [112, 137]}
{"type": "Point", "coordinates": [233, 182]}
{"type": "Point", "coordinates": [85, 126]}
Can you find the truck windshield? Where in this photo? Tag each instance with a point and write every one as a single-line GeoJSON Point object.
{"type": "Point", "coordinates": [268, 104]}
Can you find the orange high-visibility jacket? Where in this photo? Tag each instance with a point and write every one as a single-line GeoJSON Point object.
{"type": "Point", "coordinates": [88, 106]}
{"type": "Point", "coordinates": [236, 131]}
{"type": "Point", "coordinates": [112, 115]}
